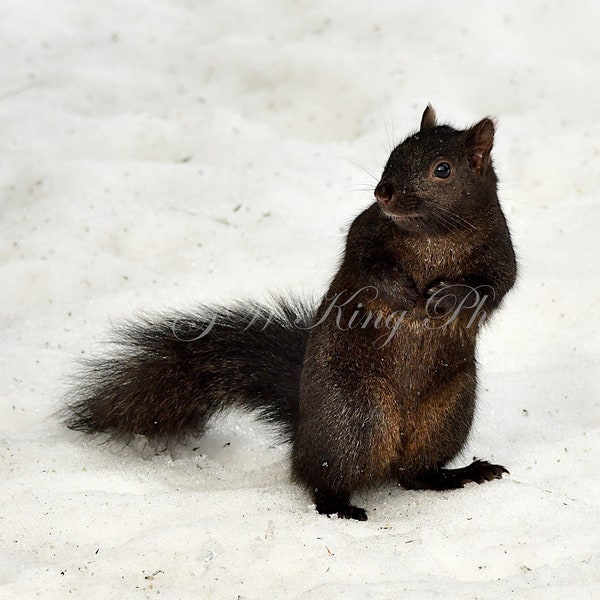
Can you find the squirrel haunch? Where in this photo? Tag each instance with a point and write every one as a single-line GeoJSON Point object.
{"type": "Point", "coordinates": [380, 380]}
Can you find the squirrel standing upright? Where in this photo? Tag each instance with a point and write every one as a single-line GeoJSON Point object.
{"type": "Point", "coordinates": [379, 381]}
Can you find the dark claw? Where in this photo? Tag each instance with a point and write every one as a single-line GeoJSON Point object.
{"type": "Point", "coordinates": [344, 510]}
{"type": "Point", "coordinates": [482, 470]}
{"type": "Point", "coordinates": [352, 512]}
{"type": "Point", "coordinates": [442, 297]}
{"type": "Point", "coordinates": [449, 479]}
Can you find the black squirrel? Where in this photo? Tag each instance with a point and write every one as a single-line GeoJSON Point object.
{"type": "Point", "coordinates": [379, 381]}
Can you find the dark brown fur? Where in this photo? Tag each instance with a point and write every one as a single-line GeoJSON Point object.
{"type": "Point", "coordinates": [380, 381]}
{"type": "Point", "coordinates": [370, 411]}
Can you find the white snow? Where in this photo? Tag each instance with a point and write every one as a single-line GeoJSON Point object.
{"type": "Point", "coordinates": [159, 154]}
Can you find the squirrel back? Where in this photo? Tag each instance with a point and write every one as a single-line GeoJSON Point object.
{"type": "Point", "coordinates": [379, 382]}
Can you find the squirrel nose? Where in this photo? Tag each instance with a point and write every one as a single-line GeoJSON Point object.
{"type": "Point", "coordinates": [384, 192]}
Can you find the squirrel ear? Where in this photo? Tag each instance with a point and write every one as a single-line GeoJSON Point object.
{"type": "Point", "coordinates": [428, 120]}
{"type": "Point", "coordinates": [480, 139]}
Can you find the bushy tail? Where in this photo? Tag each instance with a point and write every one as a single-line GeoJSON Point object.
{"type": "Point", "coordinates": [165, 377]}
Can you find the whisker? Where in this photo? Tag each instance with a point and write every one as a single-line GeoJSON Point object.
{"type": "Point", "coordinates": [387, 135]}
{"type": "Point", "coordinates": [454, 217]}
{"type": "Point", "coordinates": [447, 225]}
{"type": "Point", "coordinates": [382, 144]}
{"type": "Point", "coordinates": [393, 127]}
{"type": "Point", "coordinates": [359, 167]}
{"type": "Point", "coordinates": [369, 189]}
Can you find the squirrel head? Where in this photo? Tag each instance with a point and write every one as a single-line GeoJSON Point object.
{"type": "Point", "coordinates": [439, 177]}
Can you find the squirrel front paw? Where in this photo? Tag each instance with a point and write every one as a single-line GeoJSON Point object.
{"type": "Point", "coordinates": [445, 297]}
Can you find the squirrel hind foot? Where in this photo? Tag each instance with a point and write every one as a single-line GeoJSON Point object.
{"type": "Point", "coordinates": [441, 479]}
{"type": "Point", "coordinates": [482, 470]}
{"type": "Point", "coordinates": [342, 508]}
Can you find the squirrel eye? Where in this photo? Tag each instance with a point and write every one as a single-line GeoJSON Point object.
{"type": "Point", "coordinates": [442, 170]}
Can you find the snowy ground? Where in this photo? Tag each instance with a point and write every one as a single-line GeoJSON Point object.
{"type": "Point", "coordinates": [158, 154]}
